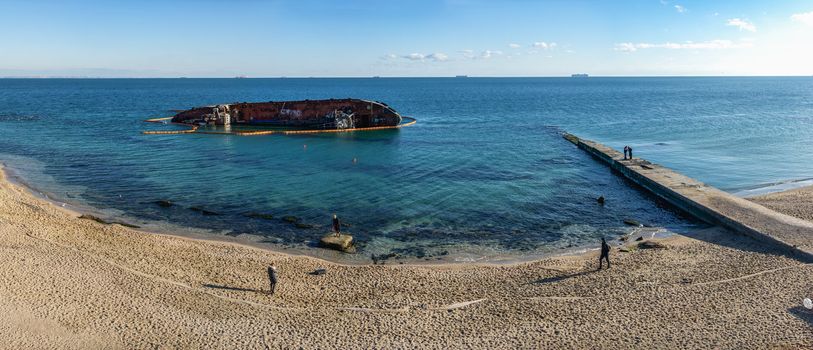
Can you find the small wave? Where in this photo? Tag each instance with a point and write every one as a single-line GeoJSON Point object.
{"type": "Point", "coordinates": [771, 187]}
{"type": "Point", "coordinates": [16, 117]}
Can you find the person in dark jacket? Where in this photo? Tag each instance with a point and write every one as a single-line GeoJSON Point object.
{"type": "Point", "coordinates": [629, 149]}
{"type": "Point", "coordinates": [337, 226]}
{"type": "Point", "coordinates": [605, 253]}
{"type": "Point", "coordinates": [626, 151]}
{"type": "Point", "coordinates": [272, 277]}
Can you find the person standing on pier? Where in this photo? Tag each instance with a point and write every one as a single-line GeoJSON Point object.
{"type": "Point", "coordinates": [629, 149]}
{"type": "Point", "coordinates": [272, 278]}
{"type": "Point", "coordinates": [337, 226]}
{"type": "Point", "coordinates": [626, 151]}
{"type": "Point", "coordinates": [605, 253]}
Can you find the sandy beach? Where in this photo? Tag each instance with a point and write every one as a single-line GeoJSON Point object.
{"type": "Point", "coordinates": [67, 282]}
{"type": "Point", "coordinates": [795, 202]}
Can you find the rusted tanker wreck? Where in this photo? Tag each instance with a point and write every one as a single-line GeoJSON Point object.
{"type": "Point", "coordinates": [308, 114]}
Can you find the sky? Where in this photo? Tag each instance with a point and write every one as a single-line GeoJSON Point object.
{"type": "Point", "coordinates": [352, 38]}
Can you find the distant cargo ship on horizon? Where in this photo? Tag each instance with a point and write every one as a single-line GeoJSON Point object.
{"type": "Point", "coordinates": [579, 75]}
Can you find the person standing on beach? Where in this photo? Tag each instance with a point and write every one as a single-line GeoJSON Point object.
{"type": "Point", "coordinates": [272, 277]}
{"type": "Point", "coordinates": [337, 226]}
{"type": "Point", "coordinates": [605, 253]}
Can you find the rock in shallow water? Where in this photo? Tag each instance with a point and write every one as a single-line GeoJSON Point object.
{"type": "Point", "coordinates": [632, 222]}
{"type": "Point", "coordinates": [341, 242]}
{"type": "Point", "coordinates": [164, 203]}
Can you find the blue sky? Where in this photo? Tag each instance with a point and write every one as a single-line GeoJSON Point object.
{"type": "Point", "coordinates": [208, 38]}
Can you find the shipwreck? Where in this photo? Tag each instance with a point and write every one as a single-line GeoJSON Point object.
{"type": "Point", "coordinates": [333, 114]}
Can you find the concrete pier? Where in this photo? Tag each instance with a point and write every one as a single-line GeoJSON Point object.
{"type": "Point", "coordinates": [708, 203]}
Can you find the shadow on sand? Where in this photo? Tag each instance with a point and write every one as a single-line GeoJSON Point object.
{"type": "Point", "coordinates": [237, 289]}
{"type": "Point", "coordinates": [715, 234]}
{"type": "Point", "coordinates": [803, 314]}
{"type": "Point", "coordinates": [563, 277]}
{"type": "Point", "coordinates": [723, 237]}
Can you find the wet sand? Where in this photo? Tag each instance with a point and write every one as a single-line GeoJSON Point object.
{"type": "Point", "coordinates": [67, 282]}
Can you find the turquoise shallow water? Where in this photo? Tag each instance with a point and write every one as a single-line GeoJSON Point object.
{"type": "Point", "coordinates": [484, 172]}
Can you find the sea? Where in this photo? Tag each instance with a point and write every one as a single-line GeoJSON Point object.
{"type": "Point", "coordinates": [483, 176]}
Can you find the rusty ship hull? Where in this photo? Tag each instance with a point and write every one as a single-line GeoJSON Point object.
{"type": "Point", "coordinates": [307, 114]}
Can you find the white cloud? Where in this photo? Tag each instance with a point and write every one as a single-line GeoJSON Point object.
{"type": "Point", "coordinates": [514, 46]}
{"type": "Point", "coordinates": [543, 45]}
{"type": "Point", "coordinates": [681, 9]}
{"type": "Point", "coordinates": [664, 2]}
{"type": "Point", "coordinates": [390, 56]}
{"type": "Point", "coordinates": [689, 45]}
{"type": "Point", "coordinates": [490, 53]}
{"type": "Point", "coordinates": [415, 57]}
{"type": "Point", "coordinates": [470, 54]}
{"type": "Point", "coordinates": [805, 17]}
{"type": "Point", "coordinates": [436, 57]}
{"type": "Point", "coordinates": [742, 24]}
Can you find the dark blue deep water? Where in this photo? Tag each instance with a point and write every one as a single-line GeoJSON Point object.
{"type": "Point", "coordinates": [483, 173]}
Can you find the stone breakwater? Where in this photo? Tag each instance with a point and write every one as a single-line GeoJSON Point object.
{"type": "Point", "coordinates": [708, 203]}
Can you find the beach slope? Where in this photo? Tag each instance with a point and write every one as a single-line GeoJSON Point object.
{"type": "Point", "coordinates": [67, 282]}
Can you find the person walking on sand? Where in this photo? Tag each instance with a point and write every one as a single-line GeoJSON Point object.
{"type": "Point", "coordinates": [626, 151]}
{"type": "Point", "coordinates": [605, 253]}
{"type": "Point", "coordinates": [272, 278]}
{"type": "Point", "coordinates": [337, 226]}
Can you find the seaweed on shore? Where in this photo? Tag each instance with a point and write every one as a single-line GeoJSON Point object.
{"type": "Point", "coordinates": [105, 222]}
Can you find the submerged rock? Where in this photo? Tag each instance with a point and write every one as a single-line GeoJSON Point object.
{"type": "Point", "coordinates": [600, 200]}
{"type": "Point", "coordinates": [304, 226]}
{"type": "Point", "coordinates": [203, 211]}
{"type": "Point", "coordinates": [383, 257]}
{"type": "Point", "coordinates": [264, 216]}
{"type": "Point", "coordinates": [290, 218]}
{"type": "Point", "coordinates": [341, 242]}
{"type": "Point", "coordinates": [164, 203]}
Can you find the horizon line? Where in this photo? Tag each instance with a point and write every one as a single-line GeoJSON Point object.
{"type": "Point", "coordinates": [412, 77]}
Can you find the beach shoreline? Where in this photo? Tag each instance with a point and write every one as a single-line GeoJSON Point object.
{"type": "Point", "coordinates": [312, 249]}
{"type": "Point", "coordinates": [175, 230]}
{"type": "Point", "coordinates": [75, 283]}
{"type": "Point", "coordinates": [186, 233]}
